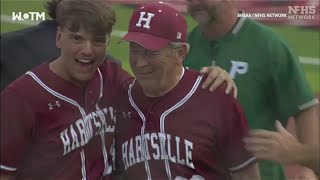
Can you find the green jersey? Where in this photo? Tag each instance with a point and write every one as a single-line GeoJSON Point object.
{"type": "Point", "coordinates": [270, 80]}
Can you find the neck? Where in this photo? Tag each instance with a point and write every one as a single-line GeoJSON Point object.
{"type": "Point", "coordinates": [222, 25]}
{"type": "Point", "coordinates": [166, 85]}
{"type": "Point", "coordinates": [57, 67]}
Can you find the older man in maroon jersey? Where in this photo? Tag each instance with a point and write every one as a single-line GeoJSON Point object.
{"type": "Point", "coordinates": [171, 128]}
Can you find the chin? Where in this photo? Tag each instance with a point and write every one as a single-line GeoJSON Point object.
{"type": "Point", "coordinates": [147, 83]}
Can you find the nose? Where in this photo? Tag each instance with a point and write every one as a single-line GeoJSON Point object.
{"type": "Point", "coordinates": [141, 61]}
{"type": "Point", "coordinates": [87, 49]}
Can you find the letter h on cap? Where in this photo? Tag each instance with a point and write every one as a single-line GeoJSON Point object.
{"type": "Point", "coordinates": [146, 20]}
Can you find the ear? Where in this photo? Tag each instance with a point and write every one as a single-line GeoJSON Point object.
{"type": "Point", "coordinates": [108, 42]}
{"type": "Point", "coordinates": [58, 37]}
{"type": "Point", "coordinates": [182, 53]}
{"type": "Point", "coordinates": [108, 39]}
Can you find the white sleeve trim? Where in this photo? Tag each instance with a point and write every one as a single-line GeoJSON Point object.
{"type": "Point", "coordinates": [7, 168]}
{"type": "Point", "coordinates": [243, 164]}
{"type": "Point", "coordinates": [308, 104]}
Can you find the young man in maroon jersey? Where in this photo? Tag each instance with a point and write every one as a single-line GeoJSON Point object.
{"type": "Point", "coordinates": [57, 121]}
{"type": "Point", "coordinates": [28, 43]}
{"type": "Point", "coordinates": [171, 128]}
{"type": "Point", "coordinates": [57, 118]}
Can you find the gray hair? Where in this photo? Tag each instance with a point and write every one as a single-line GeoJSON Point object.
{"type": "Point", "coordinates": [176, 45]}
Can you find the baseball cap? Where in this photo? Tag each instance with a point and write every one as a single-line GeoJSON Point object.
{"type": "Point", "coordinates": [154, 25]}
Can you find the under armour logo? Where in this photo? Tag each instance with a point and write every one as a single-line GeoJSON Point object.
{"type": "Point", "coordinates": [52, 105]}
{"type": "Point", "coordinates": [126, 114]}
{"type": "Point", "coordinates": [146, 20]}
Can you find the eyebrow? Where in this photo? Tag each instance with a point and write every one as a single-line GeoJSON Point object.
{"type": "Point", "coordinates": [75, 35]}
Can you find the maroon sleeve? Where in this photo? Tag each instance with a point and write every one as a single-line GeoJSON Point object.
{"type": "Point", "coordinates": [232, 130]}
{"type": "Point", "coordinates": [17, 121]}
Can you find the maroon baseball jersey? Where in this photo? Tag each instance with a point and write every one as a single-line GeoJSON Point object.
{"type": "Point", "coordinates": [52, 129]}
{"type": "Point", "coordinates": [187, 133]}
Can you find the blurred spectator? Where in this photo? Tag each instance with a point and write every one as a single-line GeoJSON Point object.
{"type": "Point", "coordinates": [271, 83]}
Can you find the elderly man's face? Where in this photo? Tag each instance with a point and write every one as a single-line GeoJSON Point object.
{"type": "Point", "coordinates": [153, 69]}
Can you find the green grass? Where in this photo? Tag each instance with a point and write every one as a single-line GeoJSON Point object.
{"type": "Point", "coordinates": [304, 41]}
{"type": "Point", "coordinates": [313, 73]}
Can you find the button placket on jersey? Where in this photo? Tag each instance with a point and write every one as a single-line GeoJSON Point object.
{"type": "Point", "coordinates": [214, 47]}
{"type": "Point", "coordinates": [151, 119]}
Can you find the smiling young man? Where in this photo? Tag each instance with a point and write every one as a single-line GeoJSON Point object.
{"type": "Point", "coordinates": [57, 120]}
{"type": "Point", "coordinates": [28, 44]}
{"type": "Point", "coordinates": [171, 128]}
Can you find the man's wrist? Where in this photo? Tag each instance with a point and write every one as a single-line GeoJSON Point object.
{"type": "Point", "coordinates": [301, 155]}
{"type": "Point", "coordinates": [305, 154]}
